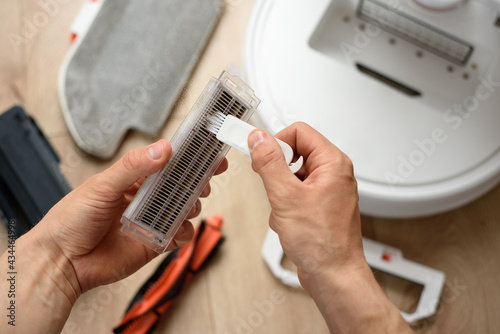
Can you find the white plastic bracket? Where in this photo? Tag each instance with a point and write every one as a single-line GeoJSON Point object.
{"type": "Point", "coordinates": [380, 257]}
{"type": "Point", "coordinates": [85, 18]}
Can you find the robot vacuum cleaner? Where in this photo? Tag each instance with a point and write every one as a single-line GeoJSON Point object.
{"type": "Point", "coordinates": [409, 90]}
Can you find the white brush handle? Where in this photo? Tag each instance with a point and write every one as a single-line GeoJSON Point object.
{"type": "Point", "coordinates": [235, 132]}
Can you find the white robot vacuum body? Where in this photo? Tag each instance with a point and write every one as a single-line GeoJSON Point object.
{"type": "Point", "coordinates": [408, 89]}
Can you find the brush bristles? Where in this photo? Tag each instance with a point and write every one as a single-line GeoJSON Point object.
{"type": "Point", "coordinates": [215, 122]}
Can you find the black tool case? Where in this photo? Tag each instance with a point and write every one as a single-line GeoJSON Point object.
{"type": "Point", "coordinates": [30, 180]}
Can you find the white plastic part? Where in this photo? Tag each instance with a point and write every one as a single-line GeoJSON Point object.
{"type": "Point", "coordinates": [391, 261]}
{"type": "Point", "coordinates": [273, 255]}
{"type": "Point", "coordinates": [376, 253]}
{"type": "Point", "coordinates": [85, 17]}
{"type": "Point", "coordinates": [235, 132]}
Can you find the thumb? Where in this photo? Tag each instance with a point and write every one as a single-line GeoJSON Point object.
{"type": "Point", "coordinates": [268, 160]}
{"type": "Point", "coordinates": [136, 164]}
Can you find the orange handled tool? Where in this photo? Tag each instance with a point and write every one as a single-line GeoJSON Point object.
{"type": "Point", "coordinates": [159, 291]}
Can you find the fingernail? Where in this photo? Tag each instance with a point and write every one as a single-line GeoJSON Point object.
{"type": "Point", "coordinates": [155, 151]}
{"type": "Point", "coordinates": [255, 139]}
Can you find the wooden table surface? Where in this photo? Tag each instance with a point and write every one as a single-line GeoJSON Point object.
{"type": "Point", "coordinates": [232, 294]}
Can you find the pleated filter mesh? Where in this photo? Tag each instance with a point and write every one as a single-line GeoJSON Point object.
{"type": "Point", "coordinates": [188, 167]}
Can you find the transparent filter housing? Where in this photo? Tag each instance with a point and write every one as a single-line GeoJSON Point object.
{"type": "Point", "coordinates": [166, 197]}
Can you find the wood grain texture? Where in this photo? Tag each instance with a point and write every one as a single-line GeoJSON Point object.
{"type": "Point", "coordinates": [12, 69]}
{"type": "Point", "coordinates": [236, 292]}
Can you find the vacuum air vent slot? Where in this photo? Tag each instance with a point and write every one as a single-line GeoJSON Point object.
{"type": "Point", "coordinates": [389, 81]}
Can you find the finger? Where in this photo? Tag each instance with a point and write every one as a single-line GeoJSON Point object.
{"type": "Point", "coordinates": [141, 181]}
{"type": "Point", "coordinates": [316, 149]}
{"type": "Point", "coordinates": [131, 191]}
{"type": "Point", "coordinates": [303, 138]}
{"type": "Point", "coordinates": [268, 161]}
{"type": "Point", "coordinates": [195, 210]}
{"type": "Point", "coordinates": [206, 191]}
{"type": "Point", "coordinates": [136, 164]}
{"type": "Point", "coordinates": [183, 235]}
{"type": "Point", "coordinates": [222, 167]}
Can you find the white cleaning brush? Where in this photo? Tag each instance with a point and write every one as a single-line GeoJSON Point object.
{"type": "Point", "coordinates": [234, 132]}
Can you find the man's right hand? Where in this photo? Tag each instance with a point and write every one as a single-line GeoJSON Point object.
{"type": "Point", "coordinates": [315, 212]}
{"type": "Point", "coordinates": [316, 216]}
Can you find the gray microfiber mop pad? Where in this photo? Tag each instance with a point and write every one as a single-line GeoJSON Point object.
{"type": "Point", "coordinates": [130, 67]}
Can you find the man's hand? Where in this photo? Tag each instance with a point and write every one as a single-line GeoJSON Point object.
{"type": "Point", "coordinates": [78, 245]}
{"type": "Point", "coordinates": [316, 216]}
{"type": "Point", "coordinates": [315, 212]}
